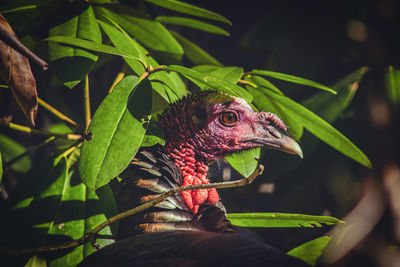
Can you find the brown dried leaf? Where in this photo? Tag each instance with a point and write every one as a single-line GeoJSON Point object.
{"type": "Point", "coordinates": [16, 72]}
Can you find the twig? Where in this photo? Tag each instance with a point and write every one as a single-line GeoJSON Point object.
{"type": "Point", "coordinates": [12, 41]}
{"type": "Point", "coordinates": [9, 163]}
{"type": "Point", "coordinates": [89, 237]}
{"type": "Point", "coordinates": [86, 101]}
{"type": "Point", "coordinates": [58, 114]}
{"type": "Point", "coordinates": [29, 130]}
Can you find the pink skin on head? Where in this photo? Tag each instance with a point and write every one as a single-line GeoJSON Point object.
{"type": "Point", "coordinates": [196, 134]}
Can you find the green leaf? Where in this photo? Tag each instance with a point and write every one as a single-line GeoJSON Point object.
{"type": "Point", "coordinates": [192, 23]}
{"type": "Point", "coordinates": [81, 210]}
{"type": "Point", "coordinates": [91, 46]}
{"type": "Point", "coordinates": [271, 219]}
{"type": "Point", "coordinates": [189, 9]}
{"type": "Point", "coordinates": [36, 261]}
{"type": "Point", "coordinates": [64, 58]}
{"type": "Point", "coordinates": [292, 79]}
{"type": "Point", "coordinates": [206, 68]}
{"type": "Point", "coordinates": [230, 74]}
{"type": "Point", "coordinates": [244, 162]}
{"type": "Point", "coordinates": [151, 34]}
{"type": "Point", "coordinates": [151, 140]}
{"type": "Point", "coordinates": [18, 9]}
{"type": "Point", "coordinates": [311, 251]}
{"type": "Point", "coordinates": [118, 128]}
{"type": "Point", "coordinates": [328, 106]}
{"type": "Point", "coordinates": [37, 197]}
{"type": "Point", "coordinates": [11, 149]}
{"type": "Point", "coordinates": [263, 83]}
{"type": "Point", "coordinates": [267, 104]}
{"type": "Point", "coordinates": [212, 81]}
{"type": "Point", "coordinates": [393, 85]}
{"type": "Point", "coordinates": [167, 85]}
{"type": "Point", "coordinates": [125, 43]}
{"type": "Point", "coordinates": [321, 129]}
{"type": "Point", "coordinates": [195, 53]}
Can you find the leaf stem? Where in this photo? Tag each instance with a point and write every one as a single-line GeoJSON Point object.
{"type": "Point", "coordinates": [58, 114]}
{"type": "Point", "coordinates": [248, 83]}
{"type": "Point", "coordinates": [86, 102]}
{"type": "Point", "coordinates": [25, 129]}
{"type": "Point", "coordinates": [89, 237]}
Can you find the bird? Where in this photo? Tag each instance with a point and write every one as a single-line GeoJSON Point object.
{"type": "Point", "coordinates": [192, 229]}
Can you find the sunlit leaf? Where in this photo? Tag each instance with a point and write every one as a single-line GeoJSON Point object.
{"type": "Point", "coordinates": [118, 128]}
{"type": "Point", "coordinates": [64, 58]}
{"type": "Point", "coordinates": [192, 23]}
{"type": "Point", "coordinates": [189, 9]}
{"type": "Point", "coordinates": [311, 251]}
{"type": "Point", "coordinates": [263, 83]}
{"type": "Point", "coordinates": [292, 79]}
{"type": "Point", "coordinates": [245, 162]}
{"type": "Point", "coordinates": [36, 261]}
{"type": "Point", "coordinates": [270, 219]}
{"type": "Point", "coordinates": [195, 53]}
{"type": "Point", "coordinates": [91, 46]}
{"type": "Point", "coordinates": [212, 81]}
{"type": "Point", "coordinates": [125, 43]}
{"type": "Point", "coordinates": [150, 33]}
{"type": "Point", "coordinates": [321, 129]}
{"type": "Point", "coordinates": [266, 104]}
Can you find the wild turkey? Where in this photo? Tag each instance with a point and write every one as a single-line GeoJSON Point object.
{"type": "Point", "coordinates": [192, 229]}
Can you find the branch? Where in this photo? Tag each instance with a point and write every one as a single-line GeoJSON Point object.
{"type": "Point", "coordinates": [89, 237]}
{"type": "Point", "coordinates": [29, 130]}
{"type": "Point", "coordinates": [12, 41]}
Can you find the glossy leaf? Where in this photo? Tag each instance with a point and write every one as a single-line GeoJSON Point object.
{"type": "Point", "coordinates": [11, 149]}
{"type": "Point", "coordinates": [64, 58]}
{"type": "Point", "coordinates": [259, 81]}
{"type": "Point", "coordinates": [230, 74]}
{"type": "Point", "coordinates": [292, 79]}
{"type": "Point", "coordinates": [270, 219]}
{"type": "Point", "coordinates": [212, 81]}
{"type": "Point", "coordinates": [195, 53]}
{"type": "Point", "coordinates": [125, 43]}
{"type": "Point", "coordinates": [150, 33]}
{"type": "Point", "coordinates": [189, 9]}
{"type": "Point", "coordinates": [321, 129]}
{"type": "Point", "coordinates": [329, 106]}
{"type": "Point", "coordinates": [91, 46]}
{"type": "Point", "coordinates": [310, 251]}
{"type": "Point", "coordinates": [266, 104]}
{"type": "Point", "coordinates": [118, 128]}
{"type": "Point", "coordinates": [192, 23]}
{"type": "Point", "coordinates": [245, 162]}
{"type": "Point", "coordinates": [167, 85]}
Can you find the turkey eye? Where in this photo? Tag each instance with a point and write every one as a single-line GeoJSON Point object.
{"type": "Point", "coordinates": [228, 118]}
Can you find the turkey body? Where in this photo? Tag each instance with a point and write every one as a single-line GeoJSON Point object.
{"type": "Point", "coordinates": [191, 229]}
{"type": "Point", "coordinates": [169, 234]}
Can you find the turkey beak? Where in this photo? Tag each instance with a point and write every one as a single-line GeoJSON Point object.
{"type": "Point", "coordinates": [289, 145]}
